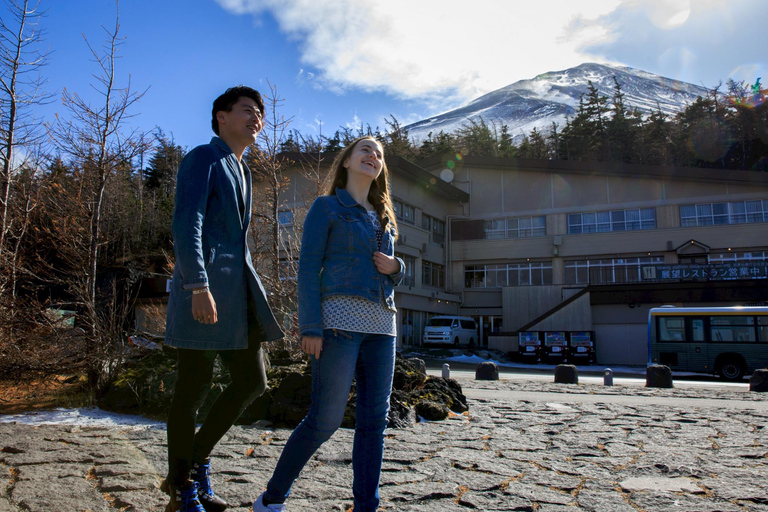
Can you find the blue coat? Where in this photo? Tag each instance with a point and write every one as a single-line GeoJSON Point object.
{"type": "Point", "coordinates": [210, 235]}
{"type": "Point", "coordinates": [336, 258]}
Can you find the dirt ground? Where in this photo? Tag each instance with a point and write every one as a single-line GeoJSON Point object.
{"type": "Point", "coordinates": [35, 394]}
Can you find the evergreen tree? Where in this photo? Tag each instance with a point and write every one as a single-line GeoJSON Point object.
{"type": "Point", "coordinates": [441, 144]}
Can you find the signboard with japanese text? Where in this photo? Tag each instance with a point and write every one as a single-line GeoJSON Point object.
{"type": "Point", "coordinates": [705, 271]}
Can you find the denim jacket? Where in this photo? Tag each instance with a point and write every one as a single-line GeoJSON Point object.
{"type": "Point", "coordinates": [210, 241]}
{"type": "Point", "coordinates": [336, 258]}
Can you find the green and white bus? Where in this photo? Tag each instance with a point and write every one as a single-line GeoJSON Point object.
{"type": "Point", "coordinates": [727, 341]}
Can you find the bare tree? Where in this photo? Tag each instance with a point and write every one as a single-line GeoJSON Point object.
{"type": "Point", "coordinates": [21, 87]}
{"type": "Point", "coordinates": [285, 184]}
{"type": "Point", "coordinates": [98, 139]}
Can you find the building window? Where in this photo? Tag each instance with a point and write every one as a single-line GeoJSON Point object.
{"type": "Point", "coordinates": [515, 227]}
{"type": "Point", "coordinates": [614, 220]}
{"type": "Point", "coordinates": [404, 211]}
{"type": "Point", "coordinates": [435, 226]}
{"type": "Point", "coordinates": [285, 218]}
{"type": "Point", "coordinates": [739, 257]}
{"type": "Point", "coordinates": [432, 274]}
{"type": "Point", "coordinates": [735, 212]}
{"type": "Point", "coordinates": [410, 269]}
{"type": "Point", "coordinates": [608, 270]}
{"type": "Point", "coordinates": [529, 273]}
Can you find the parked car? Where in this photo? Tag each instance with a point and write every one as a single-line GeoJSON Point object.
{"type": "Point", "coordinates": [455, 330]}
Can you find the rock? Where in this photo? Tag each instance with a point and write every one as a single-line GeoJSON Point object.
{"type": "Point", "coordinates": [422, 366]}
{"type": "Point", "coordinates": [487, 371]}
{"type": "Point", "coordinates": [401, 414]}
{"type": "Point", "coordinates": [457, 402]}
{"type": "Point", "coordinates": [432, 411]}
{"type": "Point", "coordinates": [291, 399]}
{"type": "Point", "coordinates": [146, 387]}
{"type": "Point", "coordinates": [758, 382]}
{"type": "Point", "coordinates": [658, 376]}
{"type": "Point", "coordinates": [566, 374]}
{"type": "Point", "coordinates": [408, 374]}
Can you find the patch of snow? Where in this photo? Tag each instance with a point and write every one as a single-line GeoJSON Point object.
{"type": "Point", "coordinates": [87, 416]}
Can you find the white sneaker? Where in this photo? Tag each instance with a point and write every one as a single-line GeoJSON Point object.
{"type": "Point", "coordinates": [259, 506]}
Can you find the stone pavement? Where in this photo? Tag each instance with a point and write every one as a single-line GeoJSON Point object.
{"type": "Point", "coordinates": [522, 446]}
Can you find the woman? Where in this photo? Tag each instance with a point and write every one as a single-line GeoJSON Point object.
{"type": "Point", "coordinates": [347, 274]}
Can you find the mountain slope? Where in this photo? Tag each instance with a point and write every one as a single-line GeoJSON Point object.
{"type": "Point", "coordinates": [551, 97]}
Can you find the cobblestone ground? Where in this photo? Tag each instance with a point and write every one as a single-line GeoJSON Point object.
{"type": "Point", "coordinates": [522, 446]}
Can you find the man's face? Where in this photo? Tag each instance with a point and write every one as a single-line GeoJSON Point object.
{"type": "Point", "coordinates": [243, 123]}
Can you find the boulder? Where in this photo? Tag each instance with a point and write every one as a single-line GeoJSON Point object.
{"type": "Point", "coordinates": [658, 376]}
{"type": "Point", "coordinates": [456, 402]}
{"type": "Point", "coordinates": [408, 373]}
{"type": "Point", "coordinates": [432, 411]}
{"type": "Point", "coordinates": [758, 382]}
{"type": "Point", "coordinates": [566, 374]}
{"type": "Point", "coordinates": [487, 371]}
{"type": "Point", "coordinates": [146, 387]}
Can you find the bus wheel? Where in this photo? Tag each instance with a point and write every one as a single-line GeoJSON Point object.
{"type": "Point", "coordinates": [731, 368]}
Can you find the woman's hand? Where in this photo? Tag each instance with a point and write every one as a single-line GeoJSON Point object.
{"type": "Point", "coordinates": [386, 264]}
{"type": "Point", "coordinates": [204, 308]}
{"type": "Point", "coordinates": [312, 345]}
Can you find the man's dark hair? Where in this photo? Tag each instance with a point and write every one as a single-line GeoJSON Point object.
{"type": "Point", "coordinates": [226, 101]}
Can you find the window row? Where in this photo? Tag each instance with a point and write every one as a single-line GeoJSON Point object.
{"type": "Point", "coordinates": [615, 220]}
{"type": "Point", "coordinates": [607, 271]}
{"type": "Point", "coordinates": [714, 329]}
{"type": "Point", "coordinates": [515, 227]}
{"type": "Point", "coordinates": [734, 212]}
{"type": "Point", "coordinates": [435, 226]}
{"type": "Point", "coordinates": [728, 257]}
{"type": "Point", "coordinates": [404, 211]}
{"type": "Point", "coordinates": [531, 273]}
{"type": "Point", "coordinates": [432, 274]}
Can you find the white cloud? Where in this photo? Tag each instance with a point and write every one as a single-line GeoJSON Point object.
{"type": "Point", "coordinates": [431, 49]}
{"type": "Point", "coordinates": [444, 52]}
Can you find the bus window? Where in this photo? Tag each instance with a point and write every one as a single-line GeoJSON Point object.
{"type": "Point", "coordinates": [762, 329]}
{"type": "Point", "coordinates": [732, 328]}
{"type": "Point", "coordinates": [697, 329]}
{"type": "Point", "coordinates": [671, 328]}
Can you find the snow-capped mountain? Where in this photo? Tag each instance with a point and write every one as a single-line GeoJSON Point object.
{"type": "Point", "coordinates": [553, 96]}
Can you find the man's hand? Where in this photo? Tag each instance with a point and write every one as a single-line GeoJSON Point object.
{"type": "Point", "coordinates": [386, 264]}
{"type": "Point", "coordinates": [312, 345]}
{"type": "Point", "coordinates": [204, 308]}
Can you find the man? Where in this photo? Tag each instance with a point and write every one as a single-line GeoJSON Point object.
{"type": "Point", "coordinates": [217, 305]}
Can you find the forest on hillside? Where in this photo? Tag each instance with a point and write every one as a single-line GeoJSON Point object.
{"type": "Point", "coordinates": [86, 199]}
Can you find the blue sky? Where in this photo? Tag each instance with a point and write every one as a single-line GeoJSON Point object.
{"type": "Point", "coordinates": [346, 62]}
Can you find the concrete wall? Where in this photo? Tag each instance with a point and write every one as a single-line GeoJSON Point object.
{"type": "Point", "coordinates": [521, 304]}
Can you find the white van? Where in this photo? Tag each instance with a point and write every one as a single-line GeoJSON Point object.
{"type": "Point", "coordinates": [456, 330]}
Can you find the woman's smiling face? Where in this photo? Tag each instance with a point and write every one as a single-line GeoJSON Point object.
{"type": "Point", "coordinates": [366, 158]}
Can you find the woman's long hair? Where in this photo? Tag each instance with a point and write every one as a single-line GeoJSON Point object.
{"type": "Point", "coordinates": [378, 194]}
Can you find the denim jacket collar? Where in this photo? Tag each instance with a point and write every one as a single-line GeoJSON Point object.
{"type": "Point", "coordinates": [346, 199]}
{"type": "Point", "coordinates": [221, 144]}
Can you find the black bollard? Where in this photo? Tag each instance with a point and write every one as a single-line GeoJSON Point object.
{"type": "Point", "coordinates": [487, 371]}
{"type": "Point", "coordinates": [658, 376]}
{"type": "Point", "coordinates": [566, 374]}
{"type": "Point", "coordinates": [758, 382]}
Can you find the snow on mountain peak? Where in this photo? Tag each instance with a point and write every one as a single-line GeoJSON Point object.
{"type": "Point", "coordinates": [553, 96]}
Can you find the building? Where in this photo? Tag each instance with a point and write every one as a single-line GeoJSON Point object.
{"type": "Point", "coordinates": [535, 245]}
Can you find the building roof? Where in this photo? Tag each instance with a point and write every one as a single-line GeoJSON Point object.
{"type": "Point", "coordinates": [436, 163]}
{"type": "Point", "coordinates": [395, 164]}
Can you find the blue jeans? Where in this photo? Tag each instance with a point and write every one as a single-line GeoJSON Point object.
{"type": "Point", "coordinates": [370, 358]}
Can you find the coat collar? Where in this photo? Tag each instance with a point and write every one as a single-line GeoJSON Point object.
{"type": "Point", "coordinates": [221, 144]}
{"type": "Point", "coordinates": [346, 199]}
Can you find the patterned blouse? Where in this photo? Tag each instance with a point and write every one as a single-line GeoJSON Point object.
{"type": "Point", "coordinates": [355, 314]}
